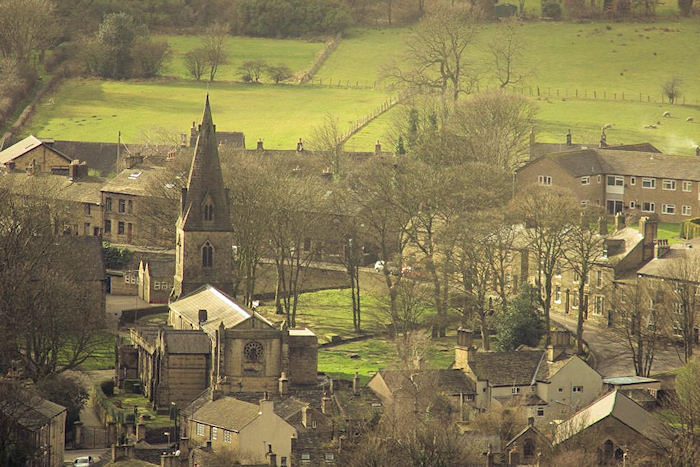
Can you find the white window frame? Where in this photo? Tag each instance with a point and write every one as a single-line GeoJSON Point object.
{"type": "Point", "coordinates": [616, 180]}
{"type": "Point", "coordinates": [668, 208]}
{"type": "Point", "coordinates": [214, 433]}
{"type": "Point", "coordinates": [687, 185]}
{"type": "Point", "coordinates": [633, 205]}
{"type": "Point", "coordinates": [668, 184]}
{"type": "Point", "coordinates": [649, 183]}
{"type": "Point", "coordinates": [515, 390]}
{"type": "Point", "coordinates": [686, 210]}
{"type": "Point", "coordinates": [651, 208]}
{"type": "Point", "coordinates": [200, 429]}
{"type": "Point", "coordinates": [633, 180]}
{"type": "Point", "coordinates": [156, 285]}
{"type": "Point", "coordinates": [586, 180]}
{"type": "Point", "coordinates": [227, 436]}
{"type": "Point", "coordinates": [544, 180]}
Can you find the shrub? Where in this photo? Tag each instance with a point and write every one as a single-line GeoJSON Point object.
{"type": "Point", "coordinates": [107, 388]}
{"type": "Point", "coordinates": [148, 58]}
{"type": "Point", "coordinates": [115, 257]}
{"type": "Point", "coordinates": [291, 18]}
{"type": "Point", "coordinates": [685, 6]}
{"type": "Point", "coordinates": [551, 10]}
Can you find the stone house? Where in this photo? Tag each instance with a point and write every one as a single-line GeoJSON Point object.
{"type": "Point", "coordinates": [34, 155]}
{"type": "Point", "coordinates": [155, 280]}
{"type": "Point", "coordinates": [630, 182]}
{"type": "Point", "coordinates": [41, 423]}
{"type": "Point", "coordinates": [547, 383]}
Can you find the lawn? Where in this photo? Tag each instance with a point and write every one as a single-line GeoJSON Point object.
{"type": "Point", "coordinates": [298, 55]}
{"type": "Point", "coordinates": [103, 357]}
{"type": "Point", "coordinates": [129, 400]}
{"type": "Point", "coordinates": [670, 231]}
{"type": "Point", "coordinates": [94, 110]}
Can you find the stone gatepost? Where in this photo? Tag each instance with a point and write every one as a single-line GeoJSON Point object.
{"type": "Point", "coordinates": [140, 432]}
{"type": "Point", "coordinates": [111, 432]}
{"type": "Point", "coordinates": [78, 433]}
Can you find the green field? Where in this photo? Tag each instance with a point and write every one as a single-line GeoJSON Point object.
{"type": "Point", "coordinates": [103, 356]}
{"type": "Point", "coordinates": [94, 110]}
{"type": "Point", "coordinates": [298, 55]}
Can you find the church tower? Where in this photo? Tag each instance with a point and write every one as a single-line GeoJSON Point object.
{"type": "Point", "coordinates": [204, 234]}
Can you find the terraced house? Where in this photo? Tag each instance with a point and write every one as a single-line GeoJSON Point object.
{"type": "Point", "coordinates": [628, 181]}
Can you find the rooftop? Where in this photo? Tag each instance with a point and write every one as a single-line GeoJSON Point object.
{"type": "Point", "coordinates": [228, 413]}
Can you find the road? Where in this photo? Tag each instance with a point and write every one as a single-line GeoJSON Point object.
{"type": "Point", "coordinates": [612, 353]}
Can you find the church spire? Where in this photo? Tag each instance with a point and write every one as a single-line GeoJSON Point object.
{"type": "Point", "coordinates": [205, 202]}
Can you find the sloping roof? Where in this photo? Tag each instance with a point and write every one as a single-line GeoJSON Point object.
{"type": "Point", "coordinates": [664, 266]}
{"type": "Point", "coordinates": [220, 308]}
{"type": "Point", "coordinates": [516, 368]}
{"type": "Point", "coordinates": [84, 190]}
{"type": "Point", "coordinates": [31, 412]}
{"type": "Point", "coordinates": [447, 381]}
{"type": "Point", "coordinates": [228, 413]}
{"type": "Point", "coordinates": [139, 181]}
{"type": "Point", "coordinates": [46, 407]}
{"type": "Point", "coordinates": [289, 407]}
{"type": "Point", "coordinates": [160, 267]}
{"type": "Point", "coordinates": [614, 404]}
{"type": "Point", "coordinates": [99, 156]}
{"type": "Point", "coordinates": [625, 380]}
{"type": "Point", "coordinates": [187, 342]}
{"type": "Point", "coordinates": [638, 147]}
{"type": "Point", "coordinates": [23, 146]}
{"type": "Point", "coordinates": [234, 139]}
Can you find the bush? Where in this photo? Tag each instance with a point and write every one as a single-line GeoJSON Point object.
{"type": "Point", "coordinates": [107, 388]}
{"type": "Point", "coordinates": [148, 58]}
{"type": "Point", "coordinates": [551, 10]}
{"type": "Point", "coordinates": [67, 392]}
{"type": "Point", "coordinates": [291, 18]}
{"type": "Point", "coordinates": [520, 324]}
{"type": "Point", "coordinates": [115, 257]}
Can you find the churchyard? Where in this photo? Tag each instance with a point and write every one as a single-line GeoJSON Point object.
{"type": "Point", "coordinates": [587, 75]}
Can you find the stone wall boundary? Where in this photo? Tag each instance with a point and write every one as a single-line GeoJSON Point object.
{"type": "Point", "coordinates": [321, 58]}
{"type": "Point", "coordinates": [29, 109]}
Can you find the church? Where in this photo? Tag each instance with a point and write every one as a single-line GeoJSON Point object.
{"type": "Point", "coordinates": [211, 341]}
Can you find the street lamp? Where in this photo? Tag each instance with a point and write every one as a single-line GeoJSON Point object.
{"type": "Point", "coordinates": [167, 433]}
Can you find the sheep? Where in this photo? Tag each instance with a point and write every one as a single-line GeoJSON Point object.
{"type": "Point", "coordinates": [667, 114]}
{"type": "Point", "coordinates": [689, 119]}
{"type": "Point", "coordinates": [650, 127]}
{"type": "Point", "coordinates": [607, 126]}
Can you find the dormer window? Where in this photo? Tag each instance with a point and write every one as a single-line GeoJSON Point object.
{"type": "Point", "coordinates": [209, 212]}
{"type": "Point", "coordinates": [207, 255]}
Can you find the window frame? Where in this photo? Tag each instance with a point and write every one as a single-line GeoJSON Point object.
{"type": "Point", "coordinates": [578, 389]}
{"type": "Point", "coordinates": [687, 186]}
{"type": "Point", "coordinates": [121, 228]}
{"type": "Point", "coordinates": [586, 180]}
{"type": "Point", "coordinates": [199, 429]}
{"type": "Point", "coordinates": [633, 180]}
{"type": "Point", "coordinates": [617, 180]}
{"type": "Point", "coordinates": [668, 209]}
{"type": "Point", "coordinates": [686, 210]}
{"type": "Point", "coordinates": [545, 180]}
{"type": "Point", "coordinates": [649, 183]}
{"type": "Point", "coordinates": [121, 206]}
{"type": "Point", "coordinates": [227, 437]}
{"type": "Point", "coordinates": [670, 182]}
{"type": "Point", "coordinates": [651, 205]}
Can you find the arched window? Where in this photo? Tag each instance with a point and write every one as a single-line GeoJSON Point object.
{"type": "Point", "coordinates": [208, 212]}
{"type": "Point", "coordinates": [253, 352]}
{"type": "Point", "coordinates": [207, 255]}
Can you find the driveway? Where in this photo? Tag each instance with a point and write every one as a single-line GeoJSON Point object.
{"type": "Point", "coordinates": [612, 352]}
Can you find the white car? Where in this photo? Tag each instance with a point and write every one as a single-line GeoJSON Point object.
{"type": "Point", "coordinates": [83, 461]}
{"type": "Point", "coordinates": [379, 266]}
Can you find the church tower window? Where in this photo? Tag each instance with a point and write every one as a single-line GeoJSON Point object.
{"type": "Point", "coordinates": [207, 255]}
{"type": "Point", "coordinates": [208, 212]}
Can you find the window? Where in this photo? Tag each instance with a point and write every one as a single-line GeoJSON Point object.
{"type": "Point", "coordinates": [687, 185]}
{"type": "Point", "coordinates": [598, 278]}
{"type": "Point", "coordinates": [584, 203]}
{"type": "Point", "coordinates": [649, 183]}
{"type": "Point", "coordinates": [108, 226]}
{"type": "Point", "coordinates": [207, 255]}
{"type": "Point", "coordinates": [544, 180]}
{"type": "Point", "coordinates": [633, 205]}
{"type": "Point", "coordinates": [615, 180]}
{"type": "Point", "coordinates": [599, 305]}
{"type": "Point", "coordinates": [131, 206]}
{"type": "Point", "coordinates": [686, 210]}
{"type": "Point", "coordinates": [227, 436]}
{"type": "Point", "coordinates": [305, 458]}
{"type": "Point", "coordinates": [577, 276]}
{"type": "Point", "coordinates": [668, 208]}
{"type": "Point", "coordinates": [208, 212]}
{"type": "Point", "coordinates": [677, 330]}
{"type": "Point", "coordinates": [156, 285]}
{"type": "Point", "coordinates": [122, 205]}
{"type": "Point", "coordinates": [108, 204]}
{"type": "Point", "coordinates": [586, 180]}
{"type": "Point", "coordinates": [578, 388]}
{"type": "Point", "coordinates": [648, 207]}
{"type": "Point", "coordinates": [86, 228]}
{"type": "Point", "coordinates": [574, 301]}
{"type": "Point", "coordinates": [120, 228]}
{"type": "Point", "coordinates": [87, 209]}
{"type": "Point", "coordinates": [678, 308]}
{"type": "Point", "coordinates": [214, 432]}
{"type": "Point", "coordinates": [599, 178]}
{"type": "Point", "coordinates": [283, 462]}
{"type": "Point", "coordinates": [200, 429]}
{"type": "Point", "coordinates": [253, 352]}
{"type": "Point", "coordinates": [540, 411]}
{"type": "Point", "coordinates": [668, 185]}
{"type": "Point", "coordinates": [515, 390]}
{"type": "Point", "coordinates": [633, 180]}
{"type": "Point", "coordinates": [561, 389]}
{"type": "Point", "coordinates": [330, 457]}
{"type": "Point", "coordinates": [557, 295]}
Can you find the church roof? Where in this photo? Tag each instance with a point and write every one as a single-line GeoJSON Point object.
{"type": "Point", "coordinates": [220, 309]}
{"type": "Point", "coordinates": [205, 182]}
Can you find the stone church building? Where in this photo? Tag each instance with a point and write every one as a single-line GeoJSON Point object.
{"type": "Point", "coordinates": [211, 341]}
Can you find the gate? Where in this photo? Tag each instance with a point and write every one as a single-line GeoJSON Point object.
{"type": "Point", "coordinates": [94, 438]}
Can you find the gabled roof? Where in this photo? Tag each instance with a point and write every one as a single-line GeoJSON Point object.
{"type": "Point", "coordinates": [140, 181]}
{"type": "Point", "coordinates": [99, 156]}
{"type": "Point", "coordinates": [614, 404]}
{"type": "Point", "coordinates": [446, 381]}
{"type": "Point", "coordinates": [220, 309]}
{"type": "Point", "coordinates": [515, 368]}
{"type": "Point", "coordinates": [24, 146]}
{"type": "Point", "coordinates": [160, 267]}
{"type": "Point", "coordinates": [663, 267]}
{"type": "Point", "coordinates": [228, 413]}
{"type": "Point", "coordinates": [83, 190]}
{"type": "Point", "coordinates": [187, 342]}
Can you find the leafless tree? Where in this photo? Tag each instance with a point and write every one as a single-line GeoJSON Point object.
{"type": "Point", "coordinates": [214, 40]}
{"type": "Point", "coordinates": [26, 26]}
{"type": "Point", "coordinates": [548, 213]}
{"type": "Point", "coordinates": [196, 62]}
{"type": "Point", "coordinates": [327, 140]}
{"type": "Point", "coordinates": [507, 51]}
{"type": "Point", "coordinates": [583, 248]}
{"type": "Point", "coordinates": [672, 88]}
{"type": "Point", "coordinates": [252, 70]}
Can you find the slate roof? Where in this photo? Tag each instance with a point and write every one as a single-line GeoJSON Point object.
{"type": "Point", "coordinates": [235, 139]}
{"type": "Point", "coordinates": [289, 407]}
{"type": "Point", "coordinates": [447, 381]}
{"type": "Point", "coordinates": [663, 266]}
{"type": "Point", "coordinates": [228, 413]}
{"type": "Point", "coordinates": [27, 144]}
{"type": "Point", "coordinates": [517, 368]}
{"type": "Point", "coordinates": [614, 404]}
{"type": "Point", "coordinates": [84, 190]}
{"type": "Point", "coordinates": [32, 413]}
{"type": "Point", "coordinates": [160, 267]}
{"type": "Point", "coordinates": [187, 342]}
{"type": "Point", "coordinates": [220, 309]}
{"type": "Point", "coordinates": [138, 181]}
{"type": "Point", "coordinates": [99, 156]}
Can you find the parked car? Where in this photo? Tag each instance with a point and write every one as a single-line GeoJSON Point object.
{"type": "Point", "coordinates": [379, 266]}
{"type": "Point", "coordinates": [83, 461]}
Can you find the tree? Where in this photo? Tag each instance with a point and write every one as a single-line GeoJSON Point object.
{"type": "Point", "coordinates": [116, 36]}
{"type": "Point", "coordinates": [437, 55]}
{"type": "Point", "coordinates": [672, 89]}
{"type": "Point", "coordinates": [149, 57]}
{"type": "Point", "coordinates": [252, 70]}
{"type": "Point", "coordinates": [16, 447]}
{"type": "Point", "coordinates": [278, 73]}
{"type": "Point", "coordinates": [685, 448]}
{"type": "Point", "coordinates": [685, 7]}
{"type": "Point", "coordinates": [65, 391]}
{"type": "Point", "coordinates": [507, 51]}
{"type": "Point", "coordinates": [583, 248]}
{"type": "Point", "coordinates": [327, 140]}
{"type": "Point", "coordinates": [196, 62]}
{"type": "Point", "coordinates": [26, 27]}
{"type": "Point", "coordinates": [548, 213]}
{"type": "Point", "coordinates": [639, 322]}
{"type": "Point", "coordinates": [214, 39]}
{"type": "Point", "coordinates": [520, 323]}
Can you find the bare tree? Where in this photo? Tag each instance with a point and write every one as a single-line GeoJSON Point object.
{"type": "Point", "coordinates": [252, 70]}
{"type": "Point", "coordinates": [507, 51]}
{"type": "Point", "coordinates": [583, 248]}
{"type": "Point", "coordinates": [26, 26]}
{"type": "Point", "coordinates": [214, 40]}
{"type": "Point", "coordinates": [548, 213]}
{"type": "Point", "coordinates": [685, 406]}
{"type": "Point", "coordinates": [327, 140]}
{"type": "Point", "coordinates": [672, 88]}
{"type": "Point", "coordinates": [196, 62]}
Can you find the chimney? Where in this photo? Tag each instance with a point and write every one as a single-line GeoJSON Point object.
{"type": "Point", "coordinates": [267, 406]}
{"type": "Point", "coordinates": [660, 248]}
{"type": "Point", "coordinates": [283, 384]}
{"type": "Point", "coordinates": [331, 386]}
{"type": "Point", "coordinates": [356, 384]}
{"type": "Point", "coordinates": [560, 342]}
{"type": "Point", "coordinates": [648, 228]}
{"type": "Point", "coordinates": [697, 150]}
{"type": "Point", "coordinates": [530, 421]}
{"type": "Point", "coordinates": [464, 350]}
{"type": "Point", "coordinates": [568, 137]}
{"type": "Point", "coordinates": [377, 148]}
{"type": "Point", "coordinates": [77, 170]}
{"type": "Point", "coordinates": [193, 135]}
{"type": "Point", "coordinates": [300, 145]}
{"type": "Point", "coordinates": [305, 416]}
{"type": "Point", "coordinates": [183, 140]}
{"type": "Point", "coordinates": [619, 221]}
{"type": "Point", "coordinates": [603, 225]}
{"type": "Point", "coordinates": [202, 316]}
{"type": "Point", "coordinates": [326, 404]}
{"type": "Point", "coordinates": [259, 147]}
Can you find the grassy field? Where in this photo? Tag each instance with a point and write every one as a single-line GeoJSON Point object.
{"type": "Point", "coordinates": [103, 357]}
{"type": "Point", "coordinates": [94, 110]}
{"type": "Point", "coordinates": [298, 55]}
